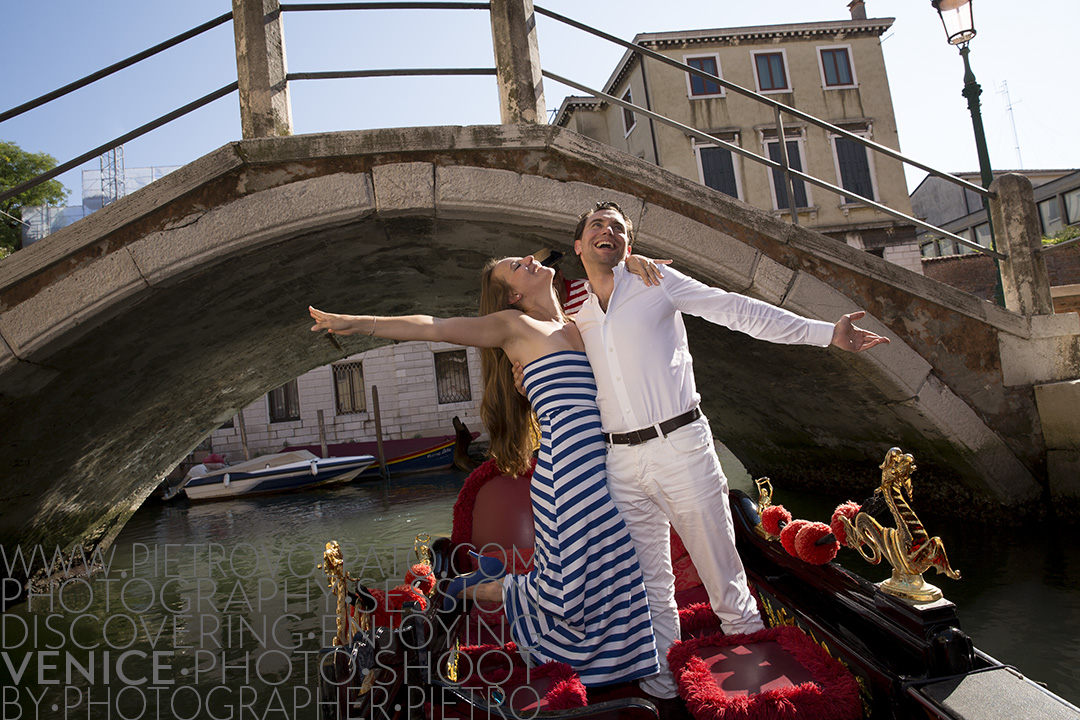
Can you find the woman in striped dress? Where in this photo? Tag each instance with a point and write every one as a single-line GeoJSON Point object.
{"type": "Point", "coordinates": [584, 602]}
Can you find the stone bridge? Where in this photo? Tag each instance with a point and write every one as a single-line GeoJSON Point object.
{"type": "Point", "coordinates": [129, 336]}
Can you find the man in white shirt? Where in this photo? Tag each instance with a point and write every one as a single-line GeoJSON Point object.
{"type": "Point", "coordinates": [661, 464]}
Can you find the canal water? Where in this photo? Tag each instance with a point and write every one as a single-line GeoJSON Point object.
{"type": "Point", "coordinates": [218, 610]}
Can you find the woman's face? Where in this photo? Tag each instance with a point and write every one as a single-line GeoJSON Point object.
{"type": "Point", "coordinates": [523, 275]}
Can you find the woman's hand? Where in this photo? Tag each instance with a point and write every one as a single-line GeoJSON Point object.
{"type": "Point", "coordinates": [646, 268]}
{"type": "Point", "coordinates": [335, 323]}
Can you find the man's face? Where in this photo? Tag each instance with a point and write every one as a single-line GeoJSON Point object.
{"type": "Point", "coordinates": [603, 242]}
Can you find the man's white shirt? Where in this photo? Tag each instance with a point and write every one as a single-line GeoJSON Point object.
{"type": "Point", "coordinates": [644, 372]}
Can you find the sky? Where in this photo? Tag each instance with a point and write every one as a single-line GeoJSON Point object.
{"type": "Point", "coordinates": [1027, 108]}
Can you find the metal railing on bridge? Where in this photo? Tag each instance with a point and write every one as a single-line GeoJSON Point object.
{"type": "Point", "coordinates": [790, 174]}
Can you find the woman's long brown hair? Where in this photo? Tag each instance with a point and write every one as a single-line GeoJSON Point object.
{"type": "Point", "coordinates": [508, 417]}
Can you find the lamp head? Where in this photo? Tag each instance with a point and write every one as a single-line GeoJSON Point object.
{"type": "Point", "coordinates": [957, 19]}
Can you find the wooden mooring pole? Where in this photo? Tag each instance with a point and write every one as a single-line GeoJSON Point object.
{"type": "Point", "coordinates": [322, 434]}
{"type": "Point", "coordinates": [243, 434]}
{"type": "Point", "coordinates": [378, 432]}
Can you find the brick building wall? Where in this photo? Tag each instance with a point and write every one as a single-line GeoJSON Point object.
{"type": "Point", "coordinates": [976, 273]}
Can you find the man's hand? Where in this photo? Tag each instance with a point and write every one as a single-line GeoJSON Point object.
{"type": "Point", "coordinates": [519, 379]}
{"type": "Point", "coordinates": [847, 336]}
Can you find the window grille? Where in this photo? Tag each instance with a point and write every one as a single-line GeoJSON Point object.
{"type": "Point", "coordinates": [349, 388]}
{"type": "Point", "coordinates": [452, 376]}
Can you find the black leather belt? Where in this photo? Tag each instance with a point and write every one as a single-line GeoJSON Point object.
{"type": "Point", "coordinates": [637, 437]}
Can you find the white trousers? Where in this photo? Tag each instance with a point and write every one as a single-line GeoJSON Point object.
{"type": "Point", "coordinates": [678, 480]}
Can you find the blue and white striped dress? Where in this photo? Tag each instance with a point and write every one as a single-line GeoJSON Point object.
{"type": "Point", "coordinates": [584, 602]}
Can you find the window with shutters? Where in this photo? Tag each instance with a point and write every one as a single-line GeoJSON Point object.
{"type": "Point", "coordinates": [349, 395]}
{"type": "Point", "coordinates": [452, 376]}
{"type": "Point", "coordinates": [776, 177]}
{"type": "Point", "coordinates": [853, 168]}
{"type": "Point", "coordinates": [717, 167]}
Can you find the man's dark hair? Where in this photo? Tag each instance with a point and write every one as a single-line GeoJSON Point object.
{"type": "Point", "coordinates": [597, 207]}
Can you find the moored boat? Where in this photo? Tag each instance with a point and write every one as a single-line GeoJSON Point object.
{"type": "Point", "coordinates": [405, 456]}
{"type": "Point", "coordinates": [280, 472]}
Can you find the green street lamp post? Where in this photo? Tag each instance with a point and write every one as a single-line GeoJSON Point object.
{"type": "Point", "coordinates": [956, 18]}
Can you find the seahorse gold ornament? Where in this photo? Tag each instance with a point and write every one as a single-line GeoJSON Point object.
{"type": "Point", "coordinates": [334, 567]}
{"type": "Point", "coordinates": [908, 547]}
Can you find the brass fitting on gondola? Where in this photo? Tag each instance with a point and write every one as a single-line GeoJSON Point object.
{"type": "Point", "coordinates": [334, 566]}
{"type": "Point", "coordinates": [908, 547]}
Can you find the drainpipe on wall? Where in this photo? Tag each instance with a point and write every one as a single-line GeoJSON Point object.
{"type": "Point", "coordinates": [648, 106]}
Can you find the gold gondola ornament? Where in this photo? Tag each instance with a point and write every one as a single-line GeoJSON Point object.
{"type": "Point", "coordinates": [908, 547]}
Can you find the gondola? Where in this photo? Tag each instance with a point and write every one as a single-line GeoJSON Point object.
{"type": "Point", "coordinates": [837, 646]}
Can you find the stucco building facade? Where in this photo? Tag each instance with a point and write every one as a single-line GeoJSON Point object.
{"type": "Point", "coordinates": [834, 71]}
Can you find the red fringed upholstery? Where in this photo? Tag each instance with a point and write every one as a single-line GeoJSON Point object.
{"type": "Point", "coordinates": [421, 575]}
{"type": "Point", "coordinates": [697, 619]}
{"type": "Point", "coordinates": [505, 520]}
{"type": "Point", "coordinates": [558, 686]}
{"type": "Point", "coordinates": [774, 674]}
{"type": "Point", "coordinates": [466, 499]}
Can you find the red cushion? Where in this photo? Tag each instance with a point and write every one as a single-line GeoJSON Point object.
{"type": "Point", "coordinates": [774, 673]}
{"type": "Point", "coordinates": [502, 514]}
{"type": "Point", "coordinates": [524, 690]}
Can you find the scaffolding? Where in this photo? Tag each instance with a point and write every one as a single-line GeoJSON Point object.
{"type": "Point", "coordinates": [112, 175]}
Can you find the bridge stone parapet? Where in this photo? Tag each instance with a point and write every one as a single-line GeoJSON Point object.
{"type": "Point", "coordinates": [132, 334]}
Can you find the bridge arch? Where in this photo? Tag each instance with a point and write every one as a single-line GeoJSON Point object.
{"type": "Point", "coordinates": [132, 334]}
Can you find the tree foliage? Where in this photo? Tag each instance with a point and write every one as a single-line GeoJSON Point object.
{"type": "Point", "coordinates": [1066, 233]}
{"type": "Point", "coordinates": [16, 167]}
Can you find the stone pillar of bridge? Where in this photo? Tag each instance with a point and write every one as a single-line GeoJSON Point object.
{"type": "Point", "coordinates": [260, 69]}
{"type": "Point", "coordinates": [1017, 233]}
{"type": "Point", "coordinates": [517, 62]}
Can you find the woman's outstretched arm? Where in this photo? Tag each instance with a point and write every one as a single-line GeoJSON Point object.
{"type": "Point", "coordinates": [492, 330]}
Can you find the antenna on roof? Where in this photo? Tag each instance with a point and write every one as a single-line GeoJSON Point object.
{"type": "Point", "coordinates": [1012, 120]}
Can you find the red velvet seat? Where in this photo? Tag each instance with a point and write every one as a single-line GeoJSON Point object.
{"type": "Point", "coordinates": [778, 673]}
